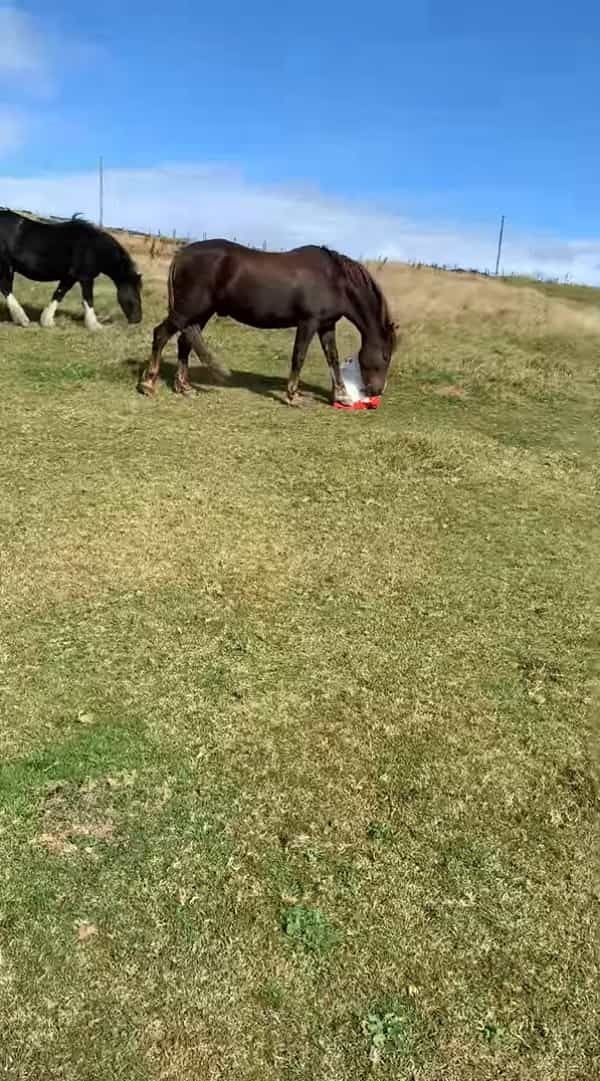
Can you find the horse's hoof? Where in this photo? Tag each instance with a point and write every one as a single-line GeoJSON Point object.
{"type": "Point", "coordinates": [146, 389]}
{"type": "Point", "coordinates": [184, 389]}
{"type": "Point", "coordinates": [294, 399]}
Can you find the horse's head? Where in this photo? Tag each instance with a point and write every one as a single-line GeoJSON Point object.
{"type": "Point", "coordinates": [371, 314]}
{"type": "Point", "coordinates": [375, 358]}
{"type": "Point", "coordinates": [129, 295]}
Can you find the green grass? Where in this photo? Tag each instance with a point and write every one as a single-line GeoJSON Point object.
{"type": "Point", "coordinates": [588, 295]}
{"type": "Point", "coordinates": [299, 736]}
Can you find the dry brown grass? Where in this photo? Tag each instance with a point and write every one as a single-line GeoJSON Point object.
{"type": "Point", "coordinates": [422, 295]}
{"type": "Point", "coordinates": [152, 254]}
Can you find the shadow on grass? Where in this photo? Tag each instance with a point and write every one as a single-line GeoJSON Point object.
{"type": "Point", "coordinates": [267, 386]}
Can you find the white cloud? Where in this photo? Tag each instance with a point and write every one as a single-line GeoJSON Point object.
{"type": "Point", "coordinates": [13, 127]}
{"type": "Point", "coordinates": [194, 200]}
{"type": "Point", "coordinates": [23, 53]}
{"type": "Point", "coordinates": [31, 59]}
{"type": "Point", "coordinates": [34, 53]}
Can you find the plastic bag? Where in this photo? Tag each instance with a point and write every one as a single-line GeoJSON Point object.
{"type": "Point", "coordinates": [352, 379]}
{"type": "Point", "coordinates": [354, 387]}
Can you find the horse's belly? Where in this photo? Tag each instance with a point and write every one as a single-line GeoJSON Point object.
{"type": "Point", "coordinates": [268, 294]}
{"type": "Point", "coordinates": [256, 316]}
{"type": "Point", "coordinates": [38, 270]}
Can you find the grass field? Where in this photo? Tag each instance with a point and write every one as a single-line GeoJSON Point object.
{"type": "Point", "coordinates": [299, 737]}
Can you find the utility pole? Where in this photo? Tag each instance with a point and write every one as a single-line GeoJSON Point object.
{"type": "Point", "coordinates": [500, 239]}
{"type": "Point", "coordinates": [101, 192]}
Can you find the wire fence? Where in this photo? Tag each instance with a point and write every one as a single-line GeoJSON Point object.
{"type": "Point", "coordinates": [159, 243]}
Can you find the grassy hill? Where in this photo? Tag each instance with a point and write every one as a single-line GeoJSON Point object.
{"type": "Point", "coordinates": [300, 731]}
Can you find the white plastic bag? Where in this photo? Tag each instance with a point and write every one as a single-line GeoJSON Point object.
{"type": "Point", "coordinates": [352, 379]}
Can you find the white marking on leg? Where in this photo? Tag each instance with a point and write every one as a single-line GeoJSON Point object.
{"type": "Point", "coordinates": [47, 316]}
{"type": "Point", "coordinates": [17, 314]}
{"type": "Point", "coordinates": [89, 317]}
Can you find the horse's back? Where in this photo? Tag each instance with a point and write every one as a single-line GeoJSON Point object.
{"type": "Point", "coordinates": [45, 250]}
{"type": "Point", "coordinates": [228, 260]}
{"type": "Point", "coordinates": [256, 287]}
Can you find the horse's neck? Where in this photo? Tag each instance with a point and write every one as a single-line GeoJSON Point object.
{"type": "Point", "coordinates": [110, 264]}
{"type": "Point", "coordinates": [366, 319]}
{"type": "Point", "coordinates": [368, 327]}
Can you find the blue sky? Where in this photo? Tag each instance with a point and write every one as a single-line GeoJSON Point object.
{"type": "Point", "coordinates": [404, 127]}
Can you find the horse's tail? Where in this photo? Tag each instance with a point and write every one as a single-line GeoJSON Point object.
{"type": "Point", "coordinates": [205, 356]}
{"type": "Point", "coordinates": [194, 333]}
{"type": "Point", "coordinates": [170, 283]}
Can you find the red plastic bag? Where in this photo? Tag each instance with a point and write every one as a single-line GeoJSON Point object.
{"type": "Point", "coordinates": [363, 403]}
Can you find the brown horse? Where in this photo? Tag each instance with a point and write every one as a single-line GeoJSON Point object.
{"type": "Point", "coordinates": [309, 288]}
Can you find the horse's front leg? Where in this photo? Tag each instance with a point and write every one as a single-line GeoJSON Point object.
{"type": "Point", "coordinates": [182, 379]}
{"type": "Point", "coordinates": [304, 335]}
{"type": "Point", "coordinates": [89, 315]}
{"type": "Point", "coordinates": [16, 312]}
{"type": "Point", "coordinates": [329, 347]}
{"type": "Point", "coordinates": [47, 316]}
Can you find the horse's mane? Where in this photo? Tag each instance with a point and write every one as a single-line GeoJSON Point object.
{"type": "Point", "coordinates": [356, 274]}
{"type": "Point", "coordinates": [125, 261]}
{"type": "Point", "coordinates": [30, 216]}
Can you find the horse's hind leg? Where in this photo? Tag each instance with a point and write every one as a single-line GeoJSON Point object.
{"type": "Point", "coordinates": [329, 347]}
{"type": "Point", "coordinates": [162, 333]}
{"type": "Point", "coordinates": [304, 335]}
{"type": "Point", "coordinates": [16, 312]}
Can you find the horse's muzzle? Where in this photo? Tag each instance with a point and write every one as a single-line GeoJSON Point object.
{"type": "Point", "coordinates": [375, 387]}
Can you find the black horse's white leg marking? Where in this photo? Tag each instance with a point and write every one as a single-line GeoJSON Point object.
{"type": "Point", "coordinates": [7, 277]}
{"type": "Point", "coordinates": [17, 314]}
{"type": "Point", "coordinates": [47, 316]}
{"type": "Point", "coordinates": [89, 315]}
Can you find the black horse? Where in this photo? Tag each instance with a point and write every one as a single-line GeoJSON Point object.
{"type": "Point", "coordinates": [68, 252]}
{"type": "Point", "coordinates": [309, 288]}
